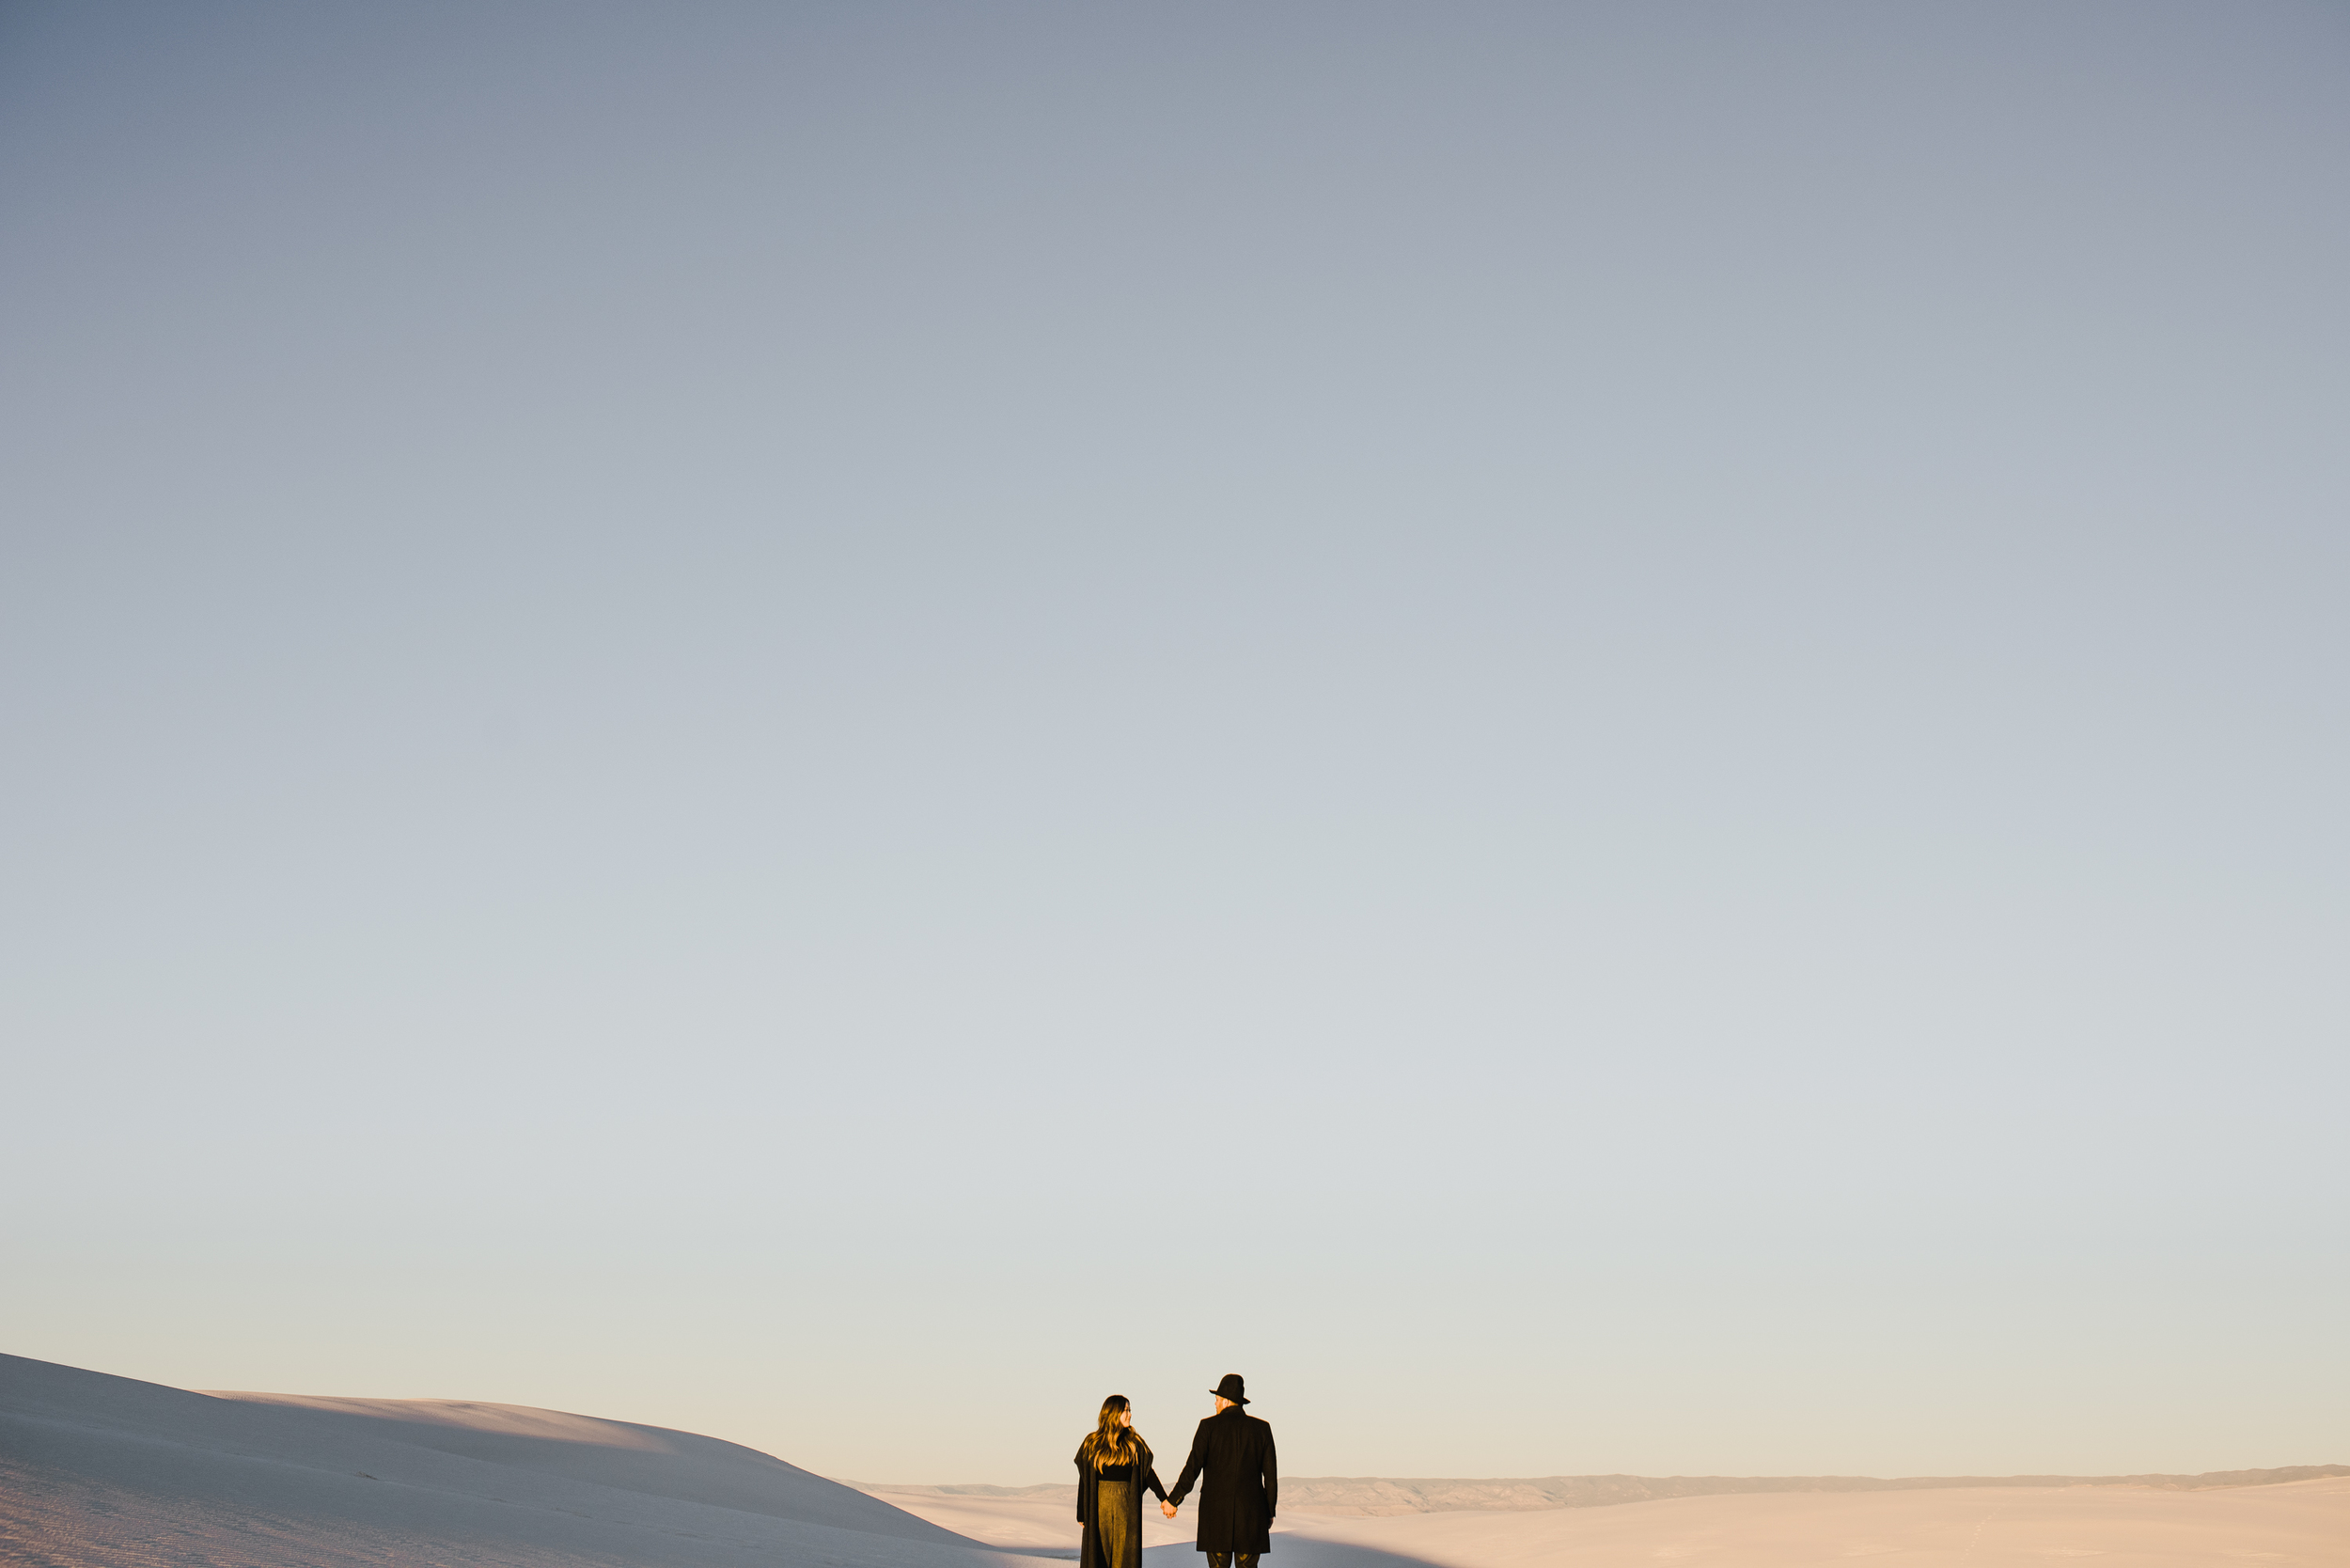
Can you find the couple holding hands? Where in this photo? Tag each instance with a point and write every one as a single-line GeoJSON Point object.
{"type": "Point", "coordinates": [1232, 1449]}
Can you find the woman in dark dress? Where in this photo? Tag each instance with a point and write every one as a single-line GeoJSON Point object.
{"type": "Point", "coordinates": [1113, 1469]}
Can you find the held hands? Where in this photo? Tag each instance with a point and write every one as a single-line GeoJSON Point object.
{"type": "Point", "coordinates": [1166, 1508]}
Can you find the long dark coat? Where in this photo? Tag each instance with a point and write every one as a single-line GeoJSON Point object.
{"type": "Point", "coordinates": [1141, 1474]}
{"type": "Point", "coordinates": [1236, 1506]}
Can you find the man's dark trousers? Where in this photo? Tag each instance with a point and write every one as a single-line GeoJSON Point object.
{"type": "Point", "coordinates": [1227, 1560]}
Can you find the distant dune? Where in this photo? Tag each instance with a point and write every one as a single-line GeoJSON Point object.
{"type": "Point", "coordinates": [1380, 1497]}
{"type": "Point", "coordinates": [2299, 1524]}
{"type": "Point", "coordinates": [2295, 1524]}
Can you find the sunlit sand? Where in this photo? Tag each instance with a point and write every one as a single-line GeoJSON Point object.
{"type": "Point", "coordinates": [2290, 1524]}
{"type": "Point", "coordinates": [98, 1470]}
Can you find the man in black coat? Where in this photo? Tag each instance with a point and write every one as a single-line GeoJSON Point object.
{"type": "Point", "coordinates": [1236, 1506]}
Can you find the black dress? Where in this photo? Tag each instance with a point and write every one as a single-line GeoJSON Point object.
{"type": "Point", "coordinates": [1109, 1503]}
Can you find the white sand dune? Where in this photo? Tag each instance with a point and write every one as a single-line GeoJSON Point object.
{"type": "Point", "coordinates": [1384, 1495]}
{"type": "Point", "coordinates": [2295, 1525]}
{"type": "Point", "coordinates": [99, 1470]}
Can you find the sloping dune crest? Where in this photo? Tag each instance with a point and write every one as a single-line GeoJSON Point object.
{"type": "Point", "coordinates": [106, 1470]}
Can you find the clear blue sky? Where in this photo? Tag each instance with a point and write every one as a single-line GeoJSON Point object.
{"type": "Point", "coordinates": [1607, 738]}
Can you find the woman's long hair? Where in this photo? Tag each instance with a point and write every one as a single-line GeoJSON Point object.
{"type": "Point", "coordinates": [1109, 1443]}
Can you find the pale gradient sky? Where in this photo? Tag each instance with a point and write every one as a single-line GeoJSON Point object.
{"type": "Point", "coordinates": [1610, 739]}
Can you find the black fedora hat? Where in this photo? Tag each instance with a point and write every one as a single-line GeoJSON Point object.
{"type": "Point", "coordinates": [1230, 1388]}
